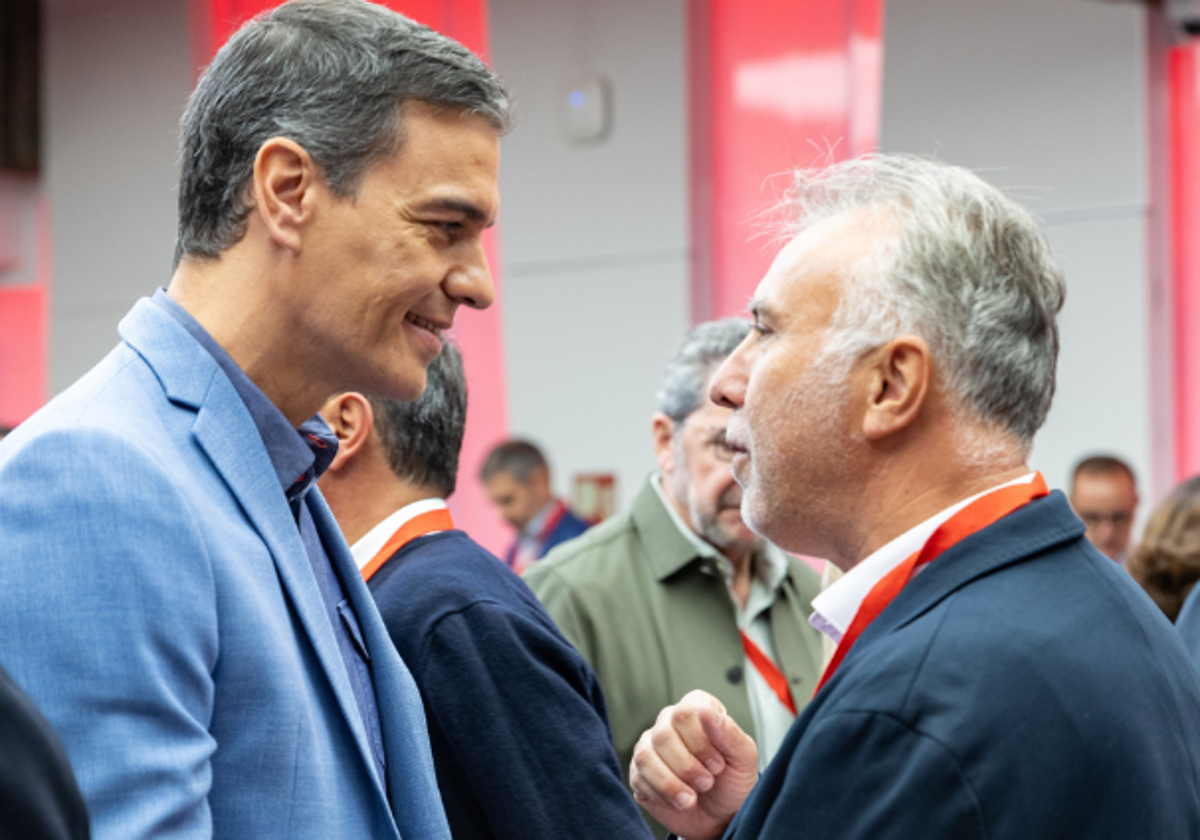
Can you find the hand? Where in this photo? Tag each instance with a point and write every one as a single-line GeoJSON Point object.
{"type": "Point", "coordinates": [694, 768]}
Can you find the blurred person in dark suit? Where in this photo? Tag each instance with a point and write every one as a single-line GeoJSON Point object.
{"type": "Point", "coordinates": [516, 476]}
{"type": "Point", "coordinates": [516, 717]}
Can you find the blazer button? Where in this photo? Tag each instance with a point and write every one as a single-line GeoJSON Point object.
{"type": "Point", "coordinates": [734, 674]}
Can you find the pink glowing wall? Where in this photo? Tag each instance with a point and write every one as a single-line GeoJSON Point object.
{"type": "Point", "coordinates": [774, 85]}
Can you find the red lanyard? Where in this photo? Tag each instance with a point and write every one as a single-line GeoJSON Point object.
{"type": "Point", "coordinates": [556, 516]}
{"type": "Point", "coordinates": [769, 671]}
{"type": "Point", "coordinates": [970, 520]}
{"type": "Point", "coordinates": [418, 526]}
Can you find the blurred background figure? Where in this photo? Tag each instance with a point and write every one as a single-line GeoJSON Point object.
{"type": "Point", "coordinates": [513, 710]}
{"type": "Point", "coordinates": [1104, 495]}
{"type": "Point", "coordinates": [1167, 561]}
{"type": "Point", "coordinates": [516, 476]}
{"type": "Point", "coordinates": [4, 430]}
{"type": "Point", "coordinates": [681, 579]}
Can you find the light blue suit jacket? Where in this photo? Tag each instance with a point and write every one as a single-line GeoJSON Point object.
{"type": "Point", "coordinates": [158, 605]}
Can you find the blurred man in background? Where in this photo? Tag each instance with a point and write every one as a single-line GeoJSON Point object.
{"type": "Point", "coordinates": [1104, 495]}
{"type": "Point", "coordinates": [679, 593]}
{"type": "Point", "coordinates": [516, 717]}
{"type": "Point", "coordinates": [516, 477]}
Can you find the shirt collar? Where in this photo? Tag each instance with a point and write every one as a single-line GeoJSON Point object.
{"type": "Point", "coordinates": [533, 528]}
{"type": "Point", "coordinates": [365, 549]}
{"type": "Point", "coordinates": [770, 566]}
{"type": "Point", "coordinates": [834, 609]}
{"type": "Point", "coordinates": [299, 456]}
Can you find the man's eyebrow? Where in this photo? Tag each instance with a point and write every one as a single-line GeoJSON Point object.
{"type": "Point", "coordinates": [456, 205]}
{"type": "Point", "coordinates": [760, 309]}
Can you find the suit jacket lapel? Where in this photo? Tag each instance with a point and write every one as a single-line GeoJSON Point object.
{"type": "Point", "coordinates": [225, 430]}
{"type": "Point", "coordinates": [416, 802]}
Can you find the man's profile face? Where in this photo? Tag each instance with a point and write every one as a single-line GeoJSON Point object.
{"type": "Point", "coordinates": [702, 482]}
{"type": "Point", "coordinates": [791, 422]}
{"type": "Point", "coordinates": [383, 272]}
{"type": "Point", "coordinates": [1106, 502]}
{"type": "Point", "coordinates": [518, 501]}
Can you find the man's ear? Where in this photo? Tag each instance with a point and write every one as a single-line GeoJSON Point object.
{"type": "Point", "coordinates": [662, 429]}
{"type": "Point", "coordinates": [285, 178]}
{"type": "Point", "coordinates": [899, 377]}
{"type": "Point", "coordinates": [351, 418]}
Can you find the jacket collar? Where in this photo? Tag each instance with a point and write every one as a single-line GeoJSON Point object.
{"type": "Point", "coordinates": [1022, 535]}
{"type": "Point", "coordinates": [671, 550]}
{"type": "Point", "coordinates": [224, 429]}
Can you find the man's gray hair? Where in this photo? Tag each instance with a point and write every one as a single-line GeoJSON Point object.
{"type": "Point", "coordinates": [689, 370]}
{"type": "Point", "coordinates": [332, 75]}
{"type": "Point", "coordinates": [967, 269]}
{"type": "Point", "coordinates": [423, 438]}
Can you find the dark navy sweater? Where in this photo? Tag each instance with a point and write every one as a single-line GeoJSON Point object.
{"type": "Point", "coordinates": [516, 718]}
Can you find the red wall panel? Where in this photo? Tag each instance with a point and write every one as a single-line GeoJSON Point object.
{"type": "Point", "coordinates": [1183, 80]}
{"type": "Point", "coordinates": [775, 84]}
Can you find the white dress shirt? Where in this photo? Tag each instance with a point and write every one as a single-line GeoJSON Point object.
{"type": "Point", "coordinates": [365, 549]}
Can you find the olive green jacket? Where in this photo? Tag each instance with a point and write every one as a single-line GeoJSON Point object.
{"type": "Point", "coordinates": [655, 620]}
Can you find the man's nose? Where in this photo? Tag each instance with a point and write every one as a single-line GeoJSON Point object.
{"type": "Point", "coordinates": [470, 283]}
{"type": "Point", "coordinates": [728, 386]}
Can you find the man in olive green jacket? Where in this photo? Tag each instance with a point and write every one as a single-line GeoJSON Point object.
{"type": "Point", "coordinates": [678, 593]}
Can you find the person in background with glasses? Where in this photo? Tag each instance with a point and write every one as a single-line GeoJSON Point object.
{"type": "Point", "coordinates": [1104, 495]}
{"type": "Point", "coordinates": [681, 579]}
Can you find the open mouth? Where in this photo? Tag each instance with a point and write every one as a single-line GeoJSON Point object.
{"type": "Point", "coordinates": [425, 323]}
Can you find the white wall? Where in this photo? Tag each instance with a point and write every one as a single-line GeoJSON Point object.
{"type": "Point", "coordinates": [117, 76]}
{"type": "Point", "coordinates": [594, 237]}
{"type": "Point", "coordinates": [1049, 99]}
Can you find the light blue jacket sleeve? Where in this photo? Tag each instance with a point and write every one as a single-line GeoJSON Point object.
{"type": "Point", "coordinates": [108, 620]}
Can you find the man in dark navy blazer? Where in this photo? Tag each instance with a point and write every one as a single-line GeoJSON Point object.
{"type": "Point", "coordinates": [996, 676]}
{"type": "Point", "coordinates": [516, 476]}
{"type": "Point", "coordinates": [516, 717]}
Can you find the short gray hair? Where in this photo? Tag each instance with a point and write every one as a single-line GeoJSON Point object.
{"type": "Point", "coordinates": [705, 347]}
{"type": "Point", "coordinates": [332, 75]}
{"type": "Point", "coordinates": [968, 269]}
{"type": "Point", "coordinates": [423, 438]}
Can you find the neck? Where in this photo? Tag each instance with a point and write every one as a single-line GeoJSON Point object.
{"type": "Point", "coordinates": [908, 502]}
{"type": "Point", "coordinates": [361, 502]}
{"type": "Point", "coordinates": [232, 299]}
{"type": "Point", "coordinates": [743, 574]}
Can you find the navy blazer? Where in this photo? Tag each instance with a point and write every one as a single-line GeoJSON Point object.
{"type": "Point", "coordinates": [159, 607]}
{"type": "Point", "coordinates": [1022, 687]}
{"type": "Point", "coordinates": [568, 528]}
{"type": "Point", "coordinates": [516, 716]}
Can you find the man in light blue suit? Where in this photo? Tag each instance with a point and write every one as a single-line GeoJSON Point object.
{"type": "Point", "coordinates": [177, 598]}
